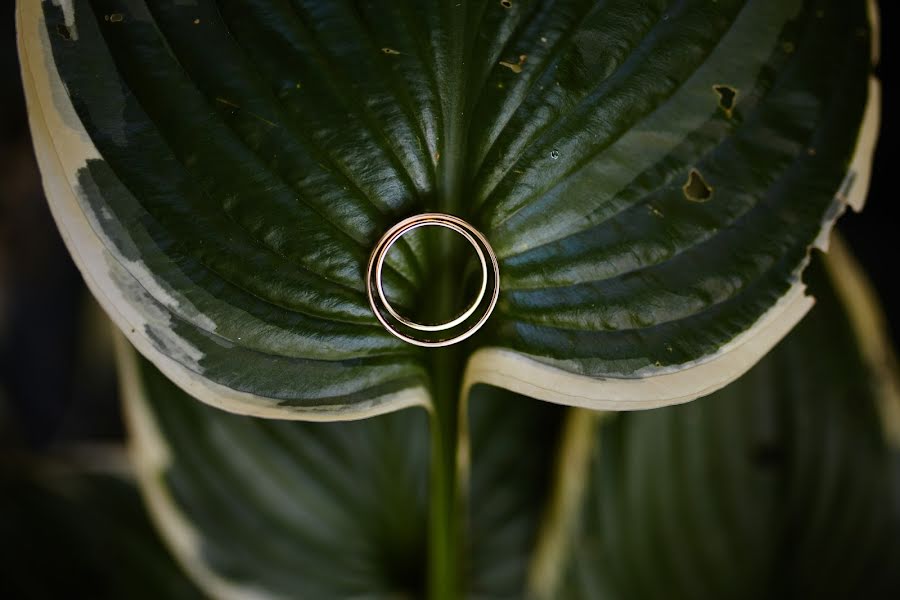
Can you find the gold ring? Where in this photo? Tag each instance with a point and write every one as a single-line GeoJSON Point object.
{"type": "Point", "coordinates": [475, 315]}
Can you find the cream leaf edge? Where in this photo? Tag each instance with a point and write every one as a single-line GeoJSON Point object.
{"type": "Point", "coordinates": [869, 325]}
{"type": "Point", "coordinates": [150, 458]}
{"type": "Point", "coordinates": [553, 548]}
{"type": "Point", "coordinates": [60, 156]}
{"type": "Point", "coordinates": [525, 375]}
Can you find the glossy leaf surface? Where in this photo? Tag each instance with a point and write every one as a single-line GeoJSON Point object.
{"type": "Point", "coordinates": [650, 174]}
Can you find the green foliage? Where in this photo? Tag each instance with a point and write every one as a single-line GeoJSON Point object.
{"type": "Point", "coordinates": [781, 484]}
{"type": "Point", "coordinates": [652, 176]}
{"type": "Point", "coordinates": [237, 161]}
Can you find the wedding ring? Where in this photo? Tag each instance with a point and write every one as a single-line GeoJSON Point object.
{"type": "Point", "coordinates": [454, 330]}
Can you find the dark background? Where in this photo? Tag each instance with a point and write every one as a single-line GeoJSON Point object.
{"type": "Point", "coordinates": [57, 380]}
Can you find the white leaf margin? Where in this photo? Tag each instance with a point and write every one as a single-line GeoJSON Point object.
{"type": "Point", "coordinates": [554, 545]}
{"type": "Point", "coordinates": [524, 374]}
{"type": "Point", "coordinates": [151, 457]}
{"type": "Point", "coordinates": [60, 156]}
{"type": "Point", "coordinates": [869, 324]}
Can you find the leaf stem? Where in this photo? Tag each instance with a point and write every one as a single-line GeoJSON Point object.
{"type": "Point", "coordinates": [446, 363]}
{"type": "Point", "coordinates": [445, 366]}
{"type": "Point", "coordinates": [444, 516]}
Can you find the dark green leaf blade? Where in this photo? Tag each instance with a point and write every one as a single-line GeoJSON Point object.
{"type": "Point", "coordinates": [270, 508]}
{"type": "Point", "coordinates": [653, 177]}
{"type": "Point", "coordinates": [514, 444]}
{"type": "Point", "coordinates": [224, 224]}
{"type": "Point", "coordinates": [782, 484]}
{"type": "Point", "coordinates": [651, 174]}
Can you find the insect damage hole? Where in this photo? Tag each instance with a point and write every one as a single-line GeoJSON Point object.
{"type": "Point", "coordinates": [695, 188]}
{"type": "Point", "coordinates": [64, 32]}
{"type": "Point", "coordinates": [506, 3]}
{"type": "Point", "coordinates": [727, 96]}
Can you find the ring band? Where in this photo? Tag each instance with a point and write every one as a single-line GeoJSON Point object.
{"type": "Point", "coordinates": [389, 242]}
{"type": "Point", "coordinates": [485, 300]}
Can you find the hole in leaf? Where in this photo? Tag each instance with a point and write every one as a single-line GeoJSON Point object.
{"type": "Point", "coordinates": [727, 96]}
{"type": "Point", "coordinates": [696, 189]}
{"type": "Point", "coordinates": [63, 32]}
{"type": "Point", "coordinates": [506, 3]}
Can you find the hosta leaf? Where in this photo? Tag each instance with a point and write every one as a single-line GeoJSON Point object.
{"type": "Point", "coordinates": [328, 483]}
{"type": "Point", "coordinates": [655, 193]}
{"type": "Point", "coordinates": [743, 493]}
{"type": "Point", "coordinates": [650, 174]}
{"type": "Point", "coordinates": [91, 530]}
{"type": "Point", "coordinates": [513, 456]}
{"type": "Point", "coordinates": [214, 262]}
{"type": "Point", "coordinates": [257, 508]}
{"type": "Point", "coordinates": [784, 484]}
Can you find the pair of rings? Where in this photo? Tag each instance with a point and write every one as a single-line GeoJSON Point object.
{"type": "Point", "coordinates": [450, 332]}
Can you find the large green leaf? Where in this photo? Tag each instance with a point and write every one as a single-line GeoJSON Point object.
{"type": "Point", "coordinates": [784, 484]}
{"type": "Point", "coordinates": [651, 175]}
{"type": "Point", "coordinates": [513, 445]}
{"type": "Point", "coordinates": [257, 508]}
{"type": "Point", "coordinates": [260, 508]}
